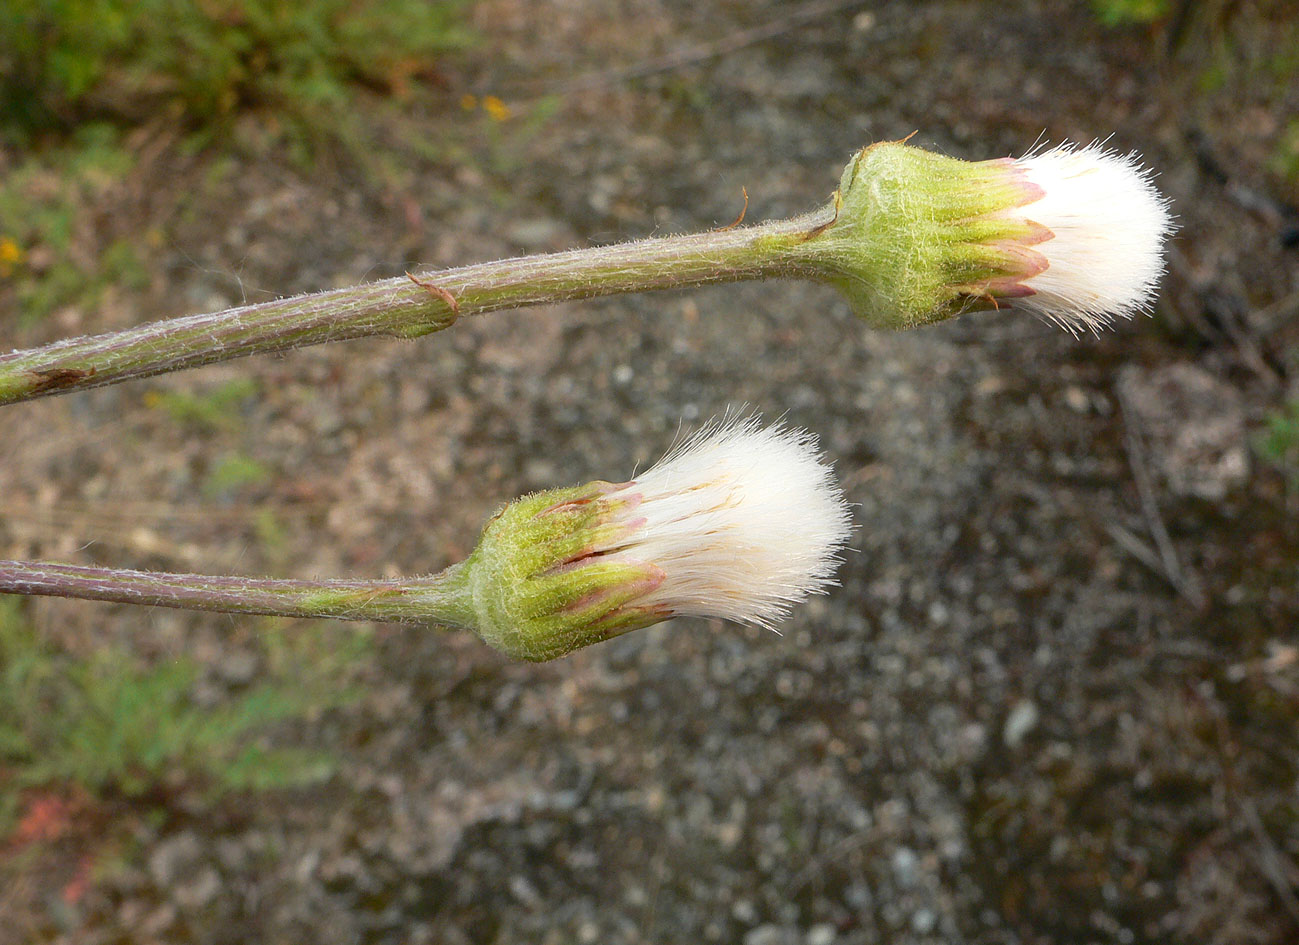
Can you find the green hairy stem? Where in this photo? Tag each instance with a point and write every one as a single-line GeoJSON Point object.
{"type": "Point", "coordinates": [439, 599]}
{"type": "Point", "coordinates": [405, 307]}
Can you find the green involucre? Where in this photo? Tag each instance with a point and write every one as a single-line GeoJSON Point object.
{"type": "Point", "coordinates": [918, 237]}
{"type": "Point", "coordinates": [539, 583]}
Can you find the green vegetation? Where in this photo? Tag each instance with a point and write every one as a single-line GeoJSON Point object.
{"type": "Point", "coordinates": [1278, 444]}
{"type": "Point", "coordinates": [1243, 56]}
{"type": "Point", "coordinates": [199, 61]}
{"type": "Point", "coordinates": [107, 725]}
{"type": "Point", "coordinates": [232, 472]}
{"type": "Point", "coordinates": [507, 133]}
{"type": "Point", "coordinates": [1285, 156]}
{"type": "Point", "coordinates": [215, 410]}
{"type": "Point", "coordinates": [45, 240]}
{"type": "Point", "coordinates": [77, 75]}
{"type": "Point", "coordinates": [1125, 12]}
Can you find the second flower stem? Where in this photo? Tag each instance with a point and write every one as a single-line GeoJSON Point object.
{"type": "Point", "coordinates": [441, 598]}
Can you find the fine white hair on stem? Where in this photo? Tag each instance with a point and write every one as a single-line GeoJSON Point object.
{"type": "Point", "coordinates": [1108, 225]}
{"type": "Point", "coordinates": [744, 521]}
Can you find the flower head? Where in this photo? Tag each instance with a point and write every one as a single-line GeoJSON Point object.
{"type": "Point", "coordinates": [739, 522]}
{"type": "Point", "coordinates": [1074, 234]}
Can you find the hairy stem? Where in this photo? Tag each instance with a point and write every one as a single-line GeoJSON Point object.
{"type": "Point", "coordinates": [413, 306]}
{"type": "Point", "coordinates": [438, 599]}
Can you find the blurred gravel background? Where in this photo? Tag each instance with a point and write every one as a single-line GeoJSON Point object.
{"type": "Point", "coordinates": [1054, 700]}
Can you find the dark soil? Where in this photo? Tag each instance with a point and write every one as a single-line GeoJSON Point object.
{"type": "Point", "coordinates": [1055, 698]}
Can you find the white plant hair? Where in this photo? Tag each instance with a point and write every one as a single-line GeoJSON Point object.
{"type": "Point", "coordinates": [744, 521]}
{"type": "Point", "coordinates": [1108, 226]}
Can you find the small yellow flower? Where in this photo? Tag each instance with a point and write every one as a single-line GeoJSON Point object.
{"type": "Point", "coordinates": [497, 109]}
{"type": "Point", "coordinates": [11, 254]}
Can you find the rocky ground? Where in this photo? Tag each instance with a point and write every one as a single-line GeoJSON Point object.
{"type": "Point", "coordinates": [1054, 700]}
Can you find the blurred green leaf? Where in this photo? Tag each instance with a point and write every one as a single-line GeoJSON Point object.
{"type": "Point", "coordinates": [1128, 12]}
{"type": "Point", "coordinates": [105, 723]}
{"type": "Point", "coordinates": [64, 60]}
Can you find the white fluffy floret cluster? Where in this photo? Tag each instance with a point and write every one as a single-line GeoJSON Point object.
{"type": "Point", "coordinates": [743, 521]}
{"type": "Point", "coordinates": [1108, 226]}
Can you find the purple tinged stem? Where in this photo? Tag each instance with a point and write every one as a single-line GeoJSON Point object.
{"type": "Point", "coordinates": [408, 307]}
{"type": "Point", "coordinates": [426, 600]}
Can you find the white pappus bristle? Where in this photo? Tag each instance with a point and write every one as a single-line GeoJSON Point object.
{"type": "Point", "coordinates": [744, 522]}
{"type": "Point", "coordinates": [1108, 226]}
